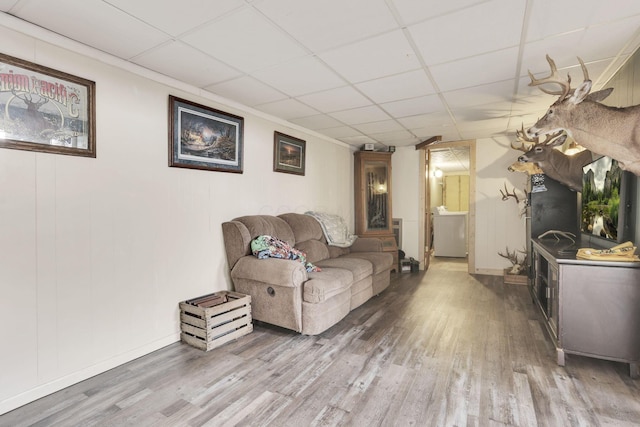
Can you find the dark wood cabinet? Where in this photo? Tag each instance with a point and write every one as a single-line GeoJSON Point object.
{"type": "Point", "coordinates": [373, 199]}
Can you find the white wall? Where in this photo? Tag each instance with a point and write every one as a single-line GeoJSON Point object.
{"type": "Point", "coordinates": [406, 196]}
{"type": "Point", "coordinates": [498, 223]}
{"type": "Point", "coordinates": [95, 254]}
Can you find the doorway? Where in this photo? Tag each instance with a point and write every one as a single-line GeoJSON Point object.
{"type": "Point", "coordinates": [455, 160]}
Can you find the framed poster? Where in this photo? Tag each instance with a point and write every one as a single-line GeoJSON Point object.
{"type": "Point", "coordinates": [288, 154]}
{"type": "Point", "coordinates": [204, 138]}
{"type": "Point", "coordinates": [45, 109]}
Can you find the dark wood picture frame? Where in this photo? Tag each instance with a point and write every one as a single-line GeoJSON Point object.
{"type": "Point", "coordinates": [46, 110]}
{"type": "Point", "coordinates": [289, 154]}
{"type": "Point", "coordinates": [204, 138]}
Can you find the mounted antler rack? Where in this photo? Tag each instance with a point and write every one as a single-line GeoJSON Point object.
{"type": "Point", "coordinates": [506, 195]}
{"type": "Point", "coordinates": [517, 263]}
{"type": "Point", "coordinates": [556, 233]}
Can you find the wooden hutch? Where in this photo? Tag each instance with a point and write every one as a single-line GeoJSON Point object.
{"type": "Point", "coordinates": [373, 199]}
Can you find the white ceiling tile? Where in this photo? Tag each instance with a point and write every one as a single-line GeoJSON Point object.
{"type": "Point", "coordinates": [491, 124]}
{"type": "Point", "coordinates": [94, 23]}
{"type": "Point", "coordinates": [245, 40]}
{"type": "Point", "coordinates": [394, 136]}
{"type": "Point", "coordinates": [342, 132]}
{"type": "Point", "coordinates": [292, 77]}
{"type": "Point", "coordinates": [358, 140]}
{"type": "Point", "coordinates": [175, 17]}
{"type": "Point", "coordinates": [447, 133]}
{"type": "Point", "coordinates": [569, 15]}
{"type": "Point", "coordinates": [321, 25]}
{"type": "Point", "coordinates": [440, 119]}
{"type": "Point", "coordinates": [6, 5]}
{"type": "Point", "coordinates": [592, 44]}
{"type": "Point", "coordinates": [317, 122]}
{"type": "Point", "coordinates": [354, 116]}
{"type": "Point", "coordinates": [372, 58]}
{"type": "Point", "coordinates": [170, 58]}
{"type": "Point", "coordinates": [379, 127]}
{"type": "Point", "coordinates": [287, 109]}
{"type": "Point", "coordinates": [338, 99]}
{"type": "Point", "coordinates": [414, 106]}
{"type": "Point", "coordinates": [478, 95]}
{"type": "Point", "coordinates": [400, 86]}
{"type": "Point", "coordinates": [463, 34]}
{"type": "Point", "coordinates": [247, 90]}
{"type": "Point", "coordinates": [412, 11]}
{"type": "Point", "coordinates": [488, 68]}
{"type": "Point", "coordinates": [493, 111]}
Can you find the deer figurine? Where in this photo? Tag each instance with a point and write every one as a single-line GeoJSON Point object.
{"type": "Point", "coordinates": [608, 131]}
{"type": "Point", "coordinates": [563, 168]}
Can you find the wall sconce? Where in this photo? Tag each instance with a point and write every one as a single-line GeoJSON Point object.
{"type": "Point", "coordinates": [437, 173]}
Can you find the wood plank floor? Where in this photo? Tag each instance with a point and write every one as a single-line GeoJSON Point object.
{"type": "Point", "coordinates": [441, 348]}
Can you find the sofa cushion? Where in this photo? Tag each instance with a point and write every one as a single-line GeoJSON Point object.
{"type": "Point", "coordinates": [336, 251]}
{"type": "Point", "coordinates": [316, 251]}
{"type": "Point", "coordinates": [324, 284]}
{"type": "Point", "coordinates": [379, 260]}
{"type": "Point", "coordinates": [259, 225]}
{"type": "Point", "coordinates": [360, 268]}
{"type": "Point", "coordinates": [304, 227]}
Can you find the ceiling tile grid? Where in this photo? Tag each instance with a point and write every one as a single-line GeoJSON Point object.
{"type": "Point", "coordinates": [393, 72]}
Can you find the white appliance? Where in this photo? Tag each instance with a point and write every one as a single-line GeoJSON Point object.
{"type": "Point", "coordinates": [449, 233]}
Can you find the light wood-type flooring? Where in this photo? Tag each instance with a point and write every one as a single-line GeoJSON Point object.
{"type": "Point", "coordinates": [442, 348]}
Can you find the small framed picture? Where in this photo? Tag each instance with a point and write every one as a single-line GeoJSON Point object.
{"type": "Point", "coordinates": [288, 154]}
{"type": "Point", "coordinates": [46, 110]}
{"type": "Point", "coordinates": [204, 138]}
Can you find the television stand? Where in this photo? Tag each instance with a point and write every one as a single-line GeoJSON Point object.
{"type": "Point", "coordinates": [591, 308]}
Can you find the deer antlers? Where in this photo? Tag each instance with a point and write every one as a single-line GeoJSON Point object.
{"type": "Point", "coordinates": [506, 194]}
{"type": "Point", "coordinates": [554, 77]}
{"type": "Point", "coordinates": [512, 256]}
{"type": "Point", "coordinates": [517, 263]}
{"type": "Point", "coordinates": [521, 135]}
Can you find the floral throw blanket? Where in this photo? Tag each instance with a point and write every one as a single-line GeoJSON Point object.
{"type": "Point", "coordinates": [335, 229]}
{"type": "Point", "coordinates": [266, 246]}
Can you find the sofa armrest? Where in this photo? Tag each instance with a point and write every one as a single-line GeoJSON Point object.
{"type": "Point", "coordinates": [367, 244]}
{"type": "Point", "coordinates": [271, 271]}
{"type": "Point", "coordinates": [275, 286]}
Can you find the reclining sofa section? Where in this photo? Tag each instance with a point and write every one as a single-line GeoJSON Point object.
{"type": "Point", "coordinates": [283, 293]}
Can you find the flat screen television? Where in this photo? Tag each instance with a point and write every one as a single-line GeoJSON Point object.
{"type": "Point", "coordinates": [607, 203]}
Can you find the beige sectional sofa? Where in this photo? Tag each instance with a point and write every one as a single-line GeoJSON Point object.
{"type": "Point", "coordinates": [283, 293]}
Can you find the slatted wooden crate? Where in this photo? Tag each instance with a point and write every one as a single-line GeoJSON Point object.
{"type": "Point", "coordinates": [210, 327]}
{"type": "Point", "coordinates": [514, 279]}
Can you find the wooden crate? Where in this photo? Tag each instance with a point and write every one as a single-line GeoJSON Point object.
{"type": "Point", "coordinates": [514, 279]}
{"type": "Point", "coordinates": [210, 327]}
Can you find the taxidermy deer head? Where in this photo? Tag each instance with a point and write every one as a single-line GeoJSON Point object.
{"type": "Point", "coordinates": [554, 163]}
{"type": "Point", "coordinates": [608, 131]}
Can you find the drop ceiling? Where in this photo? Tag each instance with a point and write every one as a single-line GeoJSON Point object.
{"type": "Point", "coordinates": [388, 72]}
{"type": "Point", "coordinates": [450, 159]}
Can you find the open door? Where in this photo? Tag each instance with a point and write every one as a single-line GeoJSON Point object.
{"type": "Point", "coordinates": [434, 193]}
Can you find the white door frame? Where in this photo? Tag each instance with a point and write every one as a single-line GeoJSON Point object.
{"type": "Point", "coordinates": [423, 179]}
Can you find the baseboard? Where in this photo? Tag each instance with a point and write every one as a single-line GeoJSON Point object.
{"type": "Point", "coordinates": [489, 271]}
{"type": "Point", "coordinates": [56, 385]}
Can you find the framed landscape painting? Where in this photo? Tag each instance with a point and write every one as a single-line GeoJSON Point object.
{"type": "Point", "coordinates": [204, 138]}
{"type": "Point", "coordinates": [288, 154]}
{"type": "Point", "coordinates": [46, 110]}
